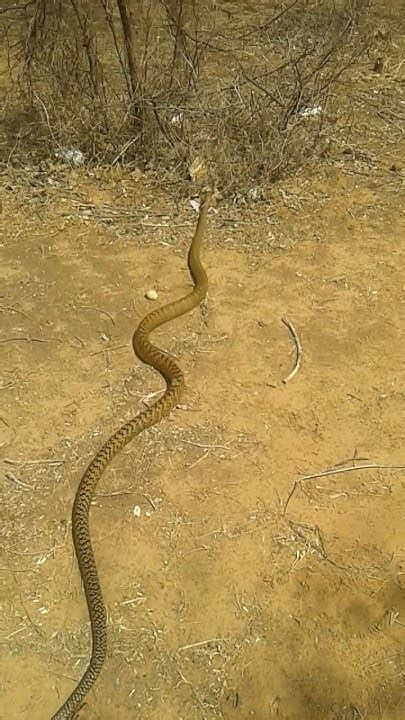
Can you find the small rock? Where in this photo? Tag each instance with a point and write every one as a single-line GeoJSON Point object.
{"type": "Point", "coordinates": [151, 295]}
{"type": "Point", "coordinates": [71, 155]}
{"type": "Point", "coordinates": [137, 511]}
{"type": "Point", "coordinates": [310, 111]}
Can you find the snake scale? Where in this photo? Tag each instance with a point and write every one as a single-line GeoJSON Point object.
{"type": "Point", "coordinates": [174, 378]}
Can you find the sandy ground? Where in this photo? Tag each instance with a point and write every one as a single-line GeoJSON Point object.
{"type": "Point", "coordinates": [250, 547]}
{"type": "Point", "coordinates": [224, 600]}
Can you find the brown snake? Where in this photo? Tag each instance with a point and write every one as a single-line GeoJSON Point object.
{"type": "Point", "coordinates": [163, 363]}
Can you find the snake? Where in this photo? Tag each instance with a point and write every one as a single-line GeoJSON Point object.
{"type": "Point", "coordinates": [164, 363]}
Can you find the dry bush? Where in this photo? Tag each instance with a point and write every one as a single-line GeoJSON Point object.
{"type": "Point", "coordinates": [163, 82]}
{"type": "Point", "coordinates": [284, 103]}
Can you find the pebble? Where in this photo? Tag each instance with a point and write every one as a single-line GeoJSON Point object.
{"type": "Point", "coordinates": [151, 295]}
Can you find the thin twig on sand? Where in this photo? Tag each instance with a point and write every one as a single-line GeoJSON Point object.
{"type": "Point", "coordinates": [298, 349]}
{"type": "Point", "coordinates": [337, 471]}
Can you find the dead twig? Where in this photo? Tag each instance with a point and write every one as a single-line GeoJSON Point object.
{"type": "Point", "coordinates": [45, 461]}
{"type": "Point", "coordinates": [298, 349]}
{"type": "Point", "coordinates": [206, 447]}
{"type": "Point", "coordinates": [11, 308]}
{"type": "Point", "coordinates": [123, 150]}
{"type": "Point", "coordinates": [102, 312]}
{"type": "Point", "coordinates": [10, 476]}
{"type": "Point", "coordinates": [199, 644]}
{"type": "Point", "coordinates": [106, 350]}
{"type": "Point", "coordinates": [337, 471]}
{"type": "Point", "coordinates": [26, 339]}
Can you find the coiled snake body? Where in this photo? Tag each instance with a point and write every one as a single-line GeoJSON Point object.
{"type": "Point", "coordinates": [174, 378]}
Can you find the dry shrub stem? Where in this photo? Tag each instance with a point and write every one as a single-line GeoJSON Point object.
{"type": "Point", "coordinates": [129, 44]}
{"type": "Point", "coordinates": [253, 100]}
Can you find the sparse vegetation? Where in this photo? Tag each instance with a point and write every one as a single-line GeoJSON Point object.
{"type": "Point", "coordinates": [168, 83]}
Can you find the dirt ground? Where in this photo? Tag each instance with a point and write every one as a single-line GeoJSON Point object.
{"type": "Point", "coordinates": [224, 600]}
{"type": "Point", "coordinates": [250, 547]}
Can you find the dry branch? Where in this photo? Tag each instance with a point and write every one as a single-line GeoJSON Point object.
{"type": "Point", "coordinates": [298, 350]}
{"type": "Point", "coordinates": [242, 97]}
{"type": "Point", "coordinates": [336, 471]}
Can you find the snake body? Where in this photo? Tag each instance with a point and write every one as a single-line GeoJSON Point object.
{"type": "Point", "coordinates": [173, 375]}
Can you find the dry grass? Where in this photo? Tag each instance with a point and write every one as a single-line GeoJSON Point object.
{"type": "Point", "coordinates": [185, 88]}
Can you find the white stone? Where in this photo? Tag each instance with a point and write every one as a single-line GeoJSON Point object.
{"type": "Point", "coordinates": [151, 295]}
